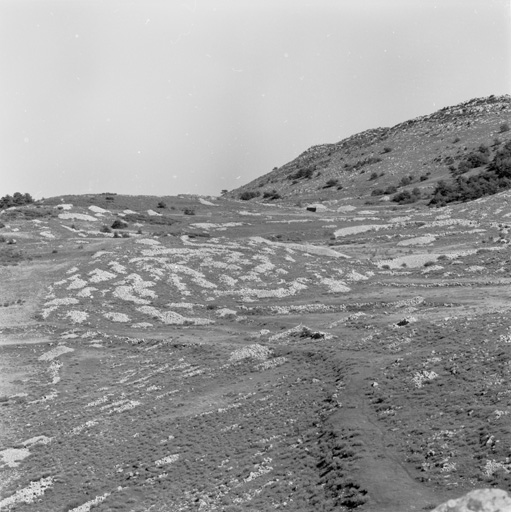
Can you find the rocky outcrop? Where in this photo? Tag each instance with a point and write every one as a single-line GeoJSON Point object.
{"type": "Point", "coordinates": [480, 500]}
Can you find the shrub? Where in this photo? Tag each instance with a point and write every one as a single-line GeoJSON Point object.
{"type": "Point", "coordinates": [387, 149]}
{"type": "Point", "coordinates": [423, 178]}
{"type": "Point", "coordinates": [119, 224]}
{"type": "Point", "coordinates": [271, 195]}
{"type": "Point", "coordinates": [407, 197]}
{"type": "Point", "coordinates": [374, 176]}
{"type": "Point", "coordinates": [332, 182]}
{"type": "Point", "coordinates": [125, 235]}
{"type": "Point", "coordinates": [303, 173]}
{"type": "Point", "coordinates": [248, 195]}
{"type": "Point", "coordinates": [406, 180]}
{"type": "Point", "coordinates": [105, 229]}
{"type": "Point", "coordinates": [378, 192]}
{"type": "Point", "coordinates": [189, 211]}
{"type": "Point", "coordinates": [391, 189]}
{"type": "Point", "coordinates": [161, 204]}
{"type": "Point", "coordinates": [116, 234]}
{"type": "Point", "coordinates": [504, 127]}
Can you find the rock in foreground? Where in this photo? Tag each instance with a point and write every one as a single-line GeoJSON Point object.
{"type": "Point", "coordinates": [480, 500]}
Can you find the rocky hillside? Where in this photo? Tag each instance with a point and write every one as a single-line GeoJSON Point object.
{"type": "Point", "coordinates": [411, 157]}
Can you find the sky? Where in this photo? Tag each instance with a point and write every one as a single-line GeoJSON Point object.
{"type": "Point", "coordinates": [165, 97]}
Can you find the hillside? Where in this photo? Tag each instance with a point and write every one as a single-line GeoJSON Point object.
{"type": "Point", "coordinates": [427, 149]}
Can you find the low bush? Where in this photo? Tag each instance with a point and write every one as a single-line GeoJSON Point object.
{"type": "Point", "coordinates": [249, 194]}
{"type": "Point", "coordinates": [504, 127]}
{"type": "Point", "coordinates": [119, 224]}
{"type": "Point", "coordinates": [189, 211]}
{"type": "Point", "coordinates": [406, 180]}
{"type": "Point", "coordinates": [303, 173]}
{"type": "Point", "coordinates": [332, 182]}
{"type": "Point", "coordinates": [406, 197]}
{"type": "Point", "coordinates": [391, 189]}
{"type": "Point", "coordinates": [271, 195]}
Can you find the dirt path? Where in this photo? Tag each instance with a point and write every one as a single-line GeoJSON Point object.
{"type": "Point", "coordinates": [390, 485]}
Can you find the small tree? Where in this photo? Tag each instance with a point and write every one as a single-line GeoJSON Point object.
{"type": "Point", "coordinates": [161, 204]}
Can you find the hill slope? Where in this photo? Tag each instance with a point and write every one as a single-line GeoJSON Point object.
{"type": "Point", "coordinates": [423, 148]}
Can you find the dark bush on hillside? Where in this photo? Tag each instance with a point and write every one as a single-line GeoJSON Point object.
{"type": "Point", "coordinates": [504, 127]}
{"type": "Point", "coordinates": [249, 194]}
{"type": "Point", "coordinates": [378, 192]}
{"type": "Point", "coordinates": [407, 197]}
{"type": "Point", "coordinates": [391, 189]}
{"type": "Point", "coordinates": [271, 195]}
{"type": "Point", "coordinates": [496, 178]}
{"type": "Point", "coordinates": [406, 180]}
{"type": "Point", "coordinates": [304, 173]}
{"type": "Point", "coordinates": [501, 163]}
{"type": "Point", "coordinates": [189, 211]}
{"type": "Point", "coordinates": [387, 149]}
{"type": "Point", "coordinates": [332, 182]}
{"type": "Point", "coordinates": [105, 229]}
{"type": "Point", "coordinates": [119, 224]}
{"type": "Point", "coordinates": [374, 176]}
{"type": "Point", "coordinates": [473, 160]}
{"type": "Point", "coordinates": [161, 204]}
{"type": "Point", "coordinates": [423, 178]}
{"type": "Point", "coordinates": [17, 199]}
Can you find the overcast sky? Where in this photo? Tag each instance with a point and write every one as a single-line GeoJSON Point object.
{"type": "Point", "coordinates": [195, 96]}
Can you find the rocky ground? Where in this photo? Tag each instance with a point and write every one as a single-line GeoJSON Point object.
{"type": "Point", "coordinates": [249, 356]}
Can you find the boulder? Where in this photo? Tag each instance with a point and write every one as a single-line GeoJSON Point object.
{"type": "Point", "coordinates": [480, 500]}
